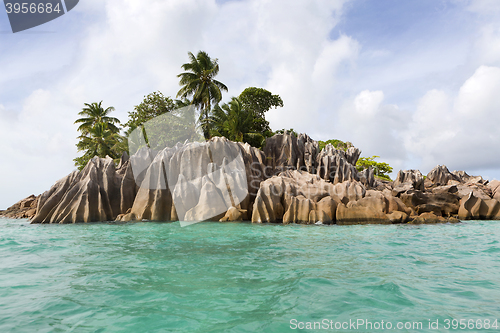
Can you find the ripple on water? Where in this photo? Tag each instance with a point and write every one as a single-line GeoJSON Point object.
{"type": "Point", "coordinates": [213, 277]}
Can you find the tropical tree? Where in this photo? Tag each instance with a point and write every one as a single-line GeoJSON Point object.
{"type": "Point", "coordinates": [259, 101]}
{"type": "Point", "coordinates": [94, 114]}
{"type": "Point", "coordinates": [153, 105]}
{"type": "Point", "coordinates": [99, 134]}
{"type": "Point", "coordinates": [381, 169]}
{"type": "Point", "coordinates": [290, 131]}
{"type": "Point", "coordinates": [198, 82]}
{"type": "Point", "coordinates": [338, 144]}
{"type": "Point", "coordinates": [234, 122]}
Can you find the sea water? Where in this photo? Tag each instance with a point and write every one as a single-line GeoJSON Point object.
{"type": "Point", "coordinates": [243, 277]}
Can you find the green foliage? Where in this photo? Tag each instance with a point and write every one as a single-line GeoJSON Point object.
{"type": "Point", "coordinates": [233, 121]}
{"type": "Point", "coordinates": [338, 144]}
{"type": "Point", "coordinates": [259, 101]}
{"type": "Point", "coordinates": [99, 134]}
{"type": "Point", "coordinates": [153, 105]}
{"type": "Point", "coordinates": [198, 83]}
{"type": "Point", "coordinates": [94, 114]}
{"type": "Point", "coordinates": [282, 131]}
{"type": "Point", "coordinates": [381, 169]}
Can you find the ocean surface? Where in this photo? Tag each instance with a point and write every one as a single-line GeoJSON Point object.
{"type": "Point", "coordinates": [243, 277]}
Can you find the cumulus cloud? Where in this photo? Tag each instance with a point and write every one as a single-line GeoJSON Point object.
{"type": "Point", "coordinates": [460, 131]}
{"type": "Point", "coordinates": [374, 126]}
{"type": "Point", "coordinates": [332, 85]}
{"type": "Point", "coordinates": [123, 50]}
{"type": "Point", "coordinates": [485, 7]}
{"type": "Point", "coordinates": [487, 46]}
{"type": "Point", "coordinates": [37, 146]}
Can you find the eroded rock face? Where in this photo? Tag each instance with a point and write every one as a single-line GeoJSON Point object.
{"type": "Point", "coordinates": [413, 178]}
{"type": "Point", "coordinates": [463, 177]}
{"type": "Point", "coordinates": [24, 209]}
{"type": "Point", "coordinates": [98, 193]}
{"type": "Point", "coordinates": [431, 218]}
{"type": "Point", "coordinates": [226, 181]}
{"type": "Point", "coordinates": [337, 166]}
{"type": "Point", "coordinates": [233, 214]}
{"type": "Point", "coordinates": [349, 191]}
{"type": "Point", "coordinates": [474, 208]}
{"type": "Point", "coordinates": [286, 152]}
{"type": "Point", "coordinates": [297, 197]}
{"type": "Point", "coordinates": [479, 190]}
{"type": "Point", "coordinates": [375, 207]}
{"type": "Point", "coordinates": [308, 151]}
{"type": "Point", "coordinates": [494, 187]}
{"type": "Point", "coordinates": [441, 204]}
{"type": "Point", "coordinates": [366, 210]}
{"type": "Point", "coordinates": [440, 175]}
{"type": "Point", "coordinates": [198, 182]}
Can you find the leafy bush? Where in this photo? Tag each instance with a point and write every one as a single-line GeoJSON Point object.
{"type": "Point", "coordinates": [338, 144]}
{"type": "Point", "coordinates": [381, 169]}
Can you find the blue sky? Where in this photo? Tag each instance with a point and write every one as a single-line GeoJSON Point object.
{"type": "Point", "coordinates": [415, 82]}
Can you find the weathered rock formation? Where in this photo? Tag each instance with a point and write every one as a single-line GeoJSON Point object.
{"type": "Point", "coordinates": [337, 166]}
{"type": "Point", "coordinates": [472, 207]}
{"type": "Point", "coordinates": [286, 152]}
{"type": "Point", "coordinates": [441, 204]}
{"type": "Point", "coordinates": [98, 193]}
{"type": "Point", "coordinates": [409, 180]}
{"type": "Point", "coordinates": [300, 197]}
{"type": "Point", "coordinates": [297, 196]}
{"type": "Point", "coordinates": [24, 209]}
{"type": "Point", "coordinates": [440, 175]}
{"type": "Point", "coordinates": [199, 181]}
{"type": "Point", "coordinates": [429, 218]}
{"type": "Point", "coordinates": [494, 187]}
{"type": "Point", "coordinates": [289, 182]}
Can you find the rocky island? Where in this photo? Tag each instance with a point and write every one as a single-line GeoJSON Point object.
{"type": "Point", "coordinates": [290, 181]}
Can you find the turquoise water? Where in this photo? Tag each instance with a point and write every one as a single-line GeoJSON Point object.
{"type": "Point", "coordinates": [240, 277]}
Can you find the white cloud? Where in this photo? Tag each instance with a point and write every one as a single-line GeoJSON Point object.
{"type": "Point", "coordinates": [460, 131]}
{"type": "Point", "coordinates": [37, 146]}
{"type": "Point", "coordinates": [376, 128]}
{"type": "Point", "coordinates": [308, 85]}
{"type": "Point", "coordinates": [332, 87]}
{"type": "Point", "coordinates": [126, 50]}
{"type": "Point", "coordinates": [487, 46]}
{"type": "Point", "coordinates": [485, 7]}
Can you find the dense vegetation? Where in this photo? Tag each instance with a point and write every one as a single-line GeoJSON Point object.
{"type": "Point", "coordinates": [381, 169]}
{"type": "Point", "coordinates": [338, 144]}
{"type": "Point", "coordinates": [99, 134]}
{"type": "Point", "coordinates": [242, 119]}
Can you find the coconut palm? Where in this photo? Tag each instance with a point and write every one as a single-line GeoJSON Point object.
{"type": "Point", "coordinates": [232, 121]}
{"type": "Point", "coordinates": [198, 83]}
{"type": "Point", "coordinates": [99, 134]}
{"type": "Point", "coordinates": [94, 114]}
{"type": "Point", "coordinates": [98, 141]}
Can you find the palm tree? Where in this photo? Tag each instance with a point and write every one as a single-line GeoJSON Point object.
{"type": "Point", "coordinates": [198, 82]}
{"type": "Point", "coordinates": [94, 114]}
{"type": "Point", "coordinates": [232, 121]}
{"type": "Point", "coordinates": [99, 141]}
{"type": "Point", "coordinates": [99, 134]}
